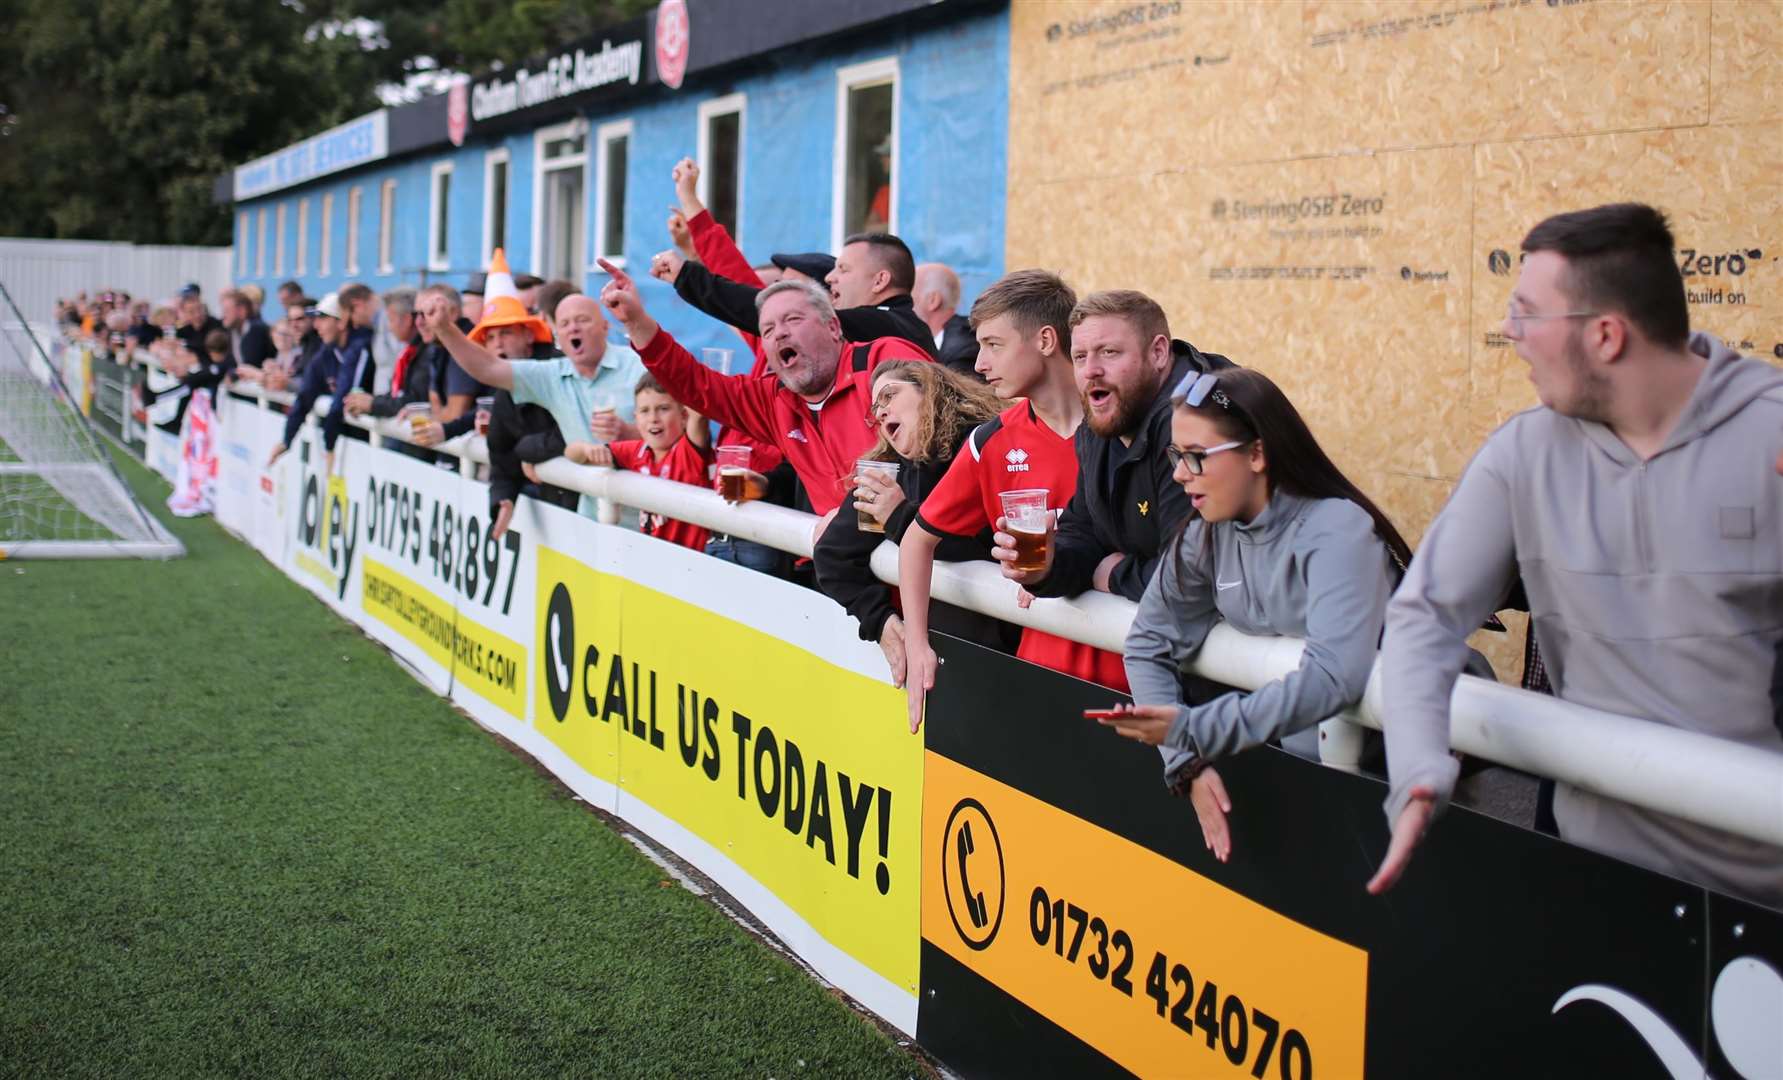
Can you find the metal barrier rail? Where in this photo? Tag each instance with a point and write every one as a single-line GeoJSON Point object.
{"type": "Point", "coordinates": [1709, 781]}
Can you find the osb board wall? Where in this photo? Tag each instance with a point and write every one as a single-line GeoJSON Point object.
{"type": "Point", "coordinates": [1333, 191]}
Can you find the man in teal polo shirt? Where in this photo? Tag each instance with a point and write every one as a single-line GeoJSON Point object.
{"type": "Point", "coordinates": [588, 389]}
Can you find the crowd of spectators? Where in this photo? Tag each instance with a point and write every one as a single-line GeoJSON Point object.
{"type": "Point", "coordinates": [1636, 514]}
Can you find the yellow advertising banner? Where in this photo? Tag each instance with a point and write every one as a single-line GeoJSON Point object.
{"type": "Point", "coordinates": [1161, 970]}
{"type": "Point", "coordinates": [578, 627]}
{"type": "Point", "coordinates": [489, 663]}
{"type": "Point", "coordinates": [799, 772]}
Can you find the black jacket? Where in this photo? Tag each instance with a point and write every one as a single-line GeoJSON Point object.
{"type": "Point", "coordinates": [417, 380]}
{"type": "Point", "coordinates": [843, 558]}
{"type": "Point", "coordinates": [734, 303]}
{"type": "Point", "coordinates": [1126, 500]}
{"type": "Point", "coordinates": [255, 347]}
{"type": "Point", "coordinates": [959, 346]}
{"type": "Point", "coordinates": [522, 433]}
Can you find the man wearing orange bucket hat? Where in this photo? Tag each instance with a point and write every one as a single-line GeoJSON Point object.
{"type": "Point", "coordinates": [587, 389]}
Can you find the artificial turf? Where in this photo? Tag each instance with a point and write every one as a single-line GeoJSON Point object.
{"type": "Point", "coordinates": [240, 841]}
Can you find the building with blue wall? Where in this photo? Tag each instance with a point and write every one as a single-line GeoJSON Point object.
{"type": "Point", "coordinates": [789, 104]}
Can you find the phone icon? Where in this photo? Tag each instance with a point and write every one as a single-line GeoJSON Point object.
{"type": "Point", "coordinates": [560, 660]}
{"type": "Point", "coordinates": [975, 905]}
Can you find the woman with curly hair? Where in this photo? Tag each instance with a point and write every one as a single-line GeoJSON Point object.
{"type": "Point", "coordinates": [923, 412]}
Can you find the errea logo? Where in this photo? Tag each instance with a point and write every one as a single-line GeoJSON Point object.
{"type": "Point", "coordinates": [1018, 460]}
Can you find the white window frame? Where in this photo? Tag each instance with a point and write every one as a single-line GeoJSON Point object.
{"type": "Point", "coordinates": [387, 226]}
{"type": "Point", "coordinates": [719, 106]}
{"type": "Point", "coordinates": [325, 242]}
{"type": "Point", "coordinates": [490, 161]}
{"type": "Point", "coordinates": [869, 73]}
{"type": "Point", "coordinates": [243, 234]}
{"type": "Point", "coordinates": [567, 130]}
{"type": "Point", "coordinates": [282, 219]}
{"type": "Point", "coordinates": [606, 133]}
{"type": "Point", "coordinates": [260, 245]}
{"type": "Point", "coordinates": [303, 238]}
{"type": "Point", "coordinates": [355, 205]}
{"type": "Point", "coordinates": [439, 218]}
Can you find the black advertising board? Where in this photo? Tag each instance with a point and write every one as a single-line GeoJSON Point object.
{"type": "Point", "coordinates": [1073, 921]}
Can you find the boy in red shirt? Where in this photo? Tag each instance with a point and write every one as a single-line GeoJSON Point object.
{"type": "Point", "coordinates": [1024, 353]}
{"type": "Point", "coordinates": [674, 446]}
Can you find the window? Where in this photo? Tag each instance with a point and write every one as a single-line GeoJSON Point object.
{"type": "Point", "coordinates": [355, 197]}
{"type": "Point", "coordinates": [303, 237]}
{"type": "Point", "coordinates": [387, 227]}
{"type": "Point", "coordinates": [559, 232]}
{"type": "Point", "coordinates": [326, 242]}
{"type": "Point", "coordinates": [241, 244]}
{"type": "Point", "coordinates": [278, 259]}
{"type": "Point", "coordinates": [439, 214]}
{"type": "Point", "coordinates": [260, 247]}
{"type": "Point", "coordinates": [865, 198]}
{"type": "Point", "coordinates": [609, 227]}
{"type": "Point", "coordinates": [721, 160]}
{"type": "Point", "coordinates": [495, 202]}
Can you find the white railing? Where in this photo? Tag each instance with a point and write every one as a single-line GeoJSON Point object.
{"type": "Point", "coordinates": [1710, 781]}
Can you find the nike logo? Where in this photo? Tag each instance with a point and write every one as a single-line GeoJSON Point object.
{"type": "Point", "coordinates": [1224, 585]}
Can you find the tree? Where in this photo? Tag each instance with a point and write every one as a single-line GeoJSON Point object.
{"type": "Point", "coordinates": [117, 116]}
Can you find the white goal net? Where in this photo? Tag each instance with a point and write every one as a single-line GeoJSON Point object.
{"type": "Point", "coordinates": [60, 496]}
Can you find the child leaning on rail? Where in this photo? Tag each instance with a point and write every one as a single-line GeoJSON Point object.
{"type": "Point", "coordinates": [1282, 544]}
{"type": "Point", "coordinates": [675, 446]}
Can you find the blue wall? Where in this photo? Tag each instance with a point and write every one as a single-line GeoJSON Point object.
{"type": "Point", "coordinates": [953, 128]}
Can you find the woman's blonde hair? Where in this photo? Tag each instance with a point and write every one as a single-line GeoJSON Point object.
{"type": "Point", "coordinates": [952, 404]}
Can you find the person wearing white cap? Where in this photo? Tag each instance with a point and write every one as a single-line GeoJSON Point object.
{"type": "Point", "coordinates": [331, 327]}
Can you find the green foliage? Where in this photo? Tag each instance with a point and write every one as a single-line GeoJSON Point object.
{"type": "Point", "coordinates": [126, 111]}
{"type": "Point", "coordinates": [240, 841]}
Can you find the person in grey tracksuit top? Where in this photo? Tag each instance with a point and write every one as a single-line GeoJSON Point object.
{"type": "Point", "coordinates": [1282, 544]}
{"type": "Point", "coordinates": [1652, 553]}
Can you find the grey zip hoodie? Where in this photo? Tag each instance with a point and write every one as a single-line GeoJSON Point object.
{"type": "Point", "coordinates": [1655, 591]}
{"type": "Point", "coordinates": [1310, 568]}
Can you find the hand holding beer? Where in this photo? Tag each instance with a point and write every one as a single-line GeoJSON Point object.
{"type": "Point", "coordinates": [1023, 540]}
{"type": "Point", "coordinates": [876, 493]}
{"type": "Point", "coordinates": [603, 422]}
{"type": "Point", "coordinates": [733, 474]}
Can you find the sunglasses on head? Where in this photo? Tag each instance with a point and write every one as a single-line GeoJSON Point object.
{"type": "Point", "coordinates": [1197, 387]}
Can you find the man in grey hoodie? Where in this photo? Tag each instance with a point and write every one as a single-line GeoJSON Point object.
{"type": "Point", "coordinates": [1637, 507]}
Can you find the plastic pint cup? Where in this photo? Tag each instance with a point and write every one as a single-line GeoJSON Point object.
{"type": "Point", "coordinates": [1027, 518]}
{"type": "Point", "coordinates": [485, 409]}
{"type": "Point", "coordinates": [865, 521]}
{"type": "Point", "coordinates": [733, 473]}
{"type": "Point", "coordinates": [419, 417]}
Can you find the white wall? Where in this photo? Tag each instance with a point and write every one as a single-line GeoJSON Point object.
{"type": "Point", "coordinates": [36, 272]}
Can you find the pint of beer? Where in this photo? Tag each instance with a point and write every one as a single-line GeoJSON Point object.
{"type": "Point", "coordinates": [733, 473]}
{"type": "Point", "coordinates": [1027, 518]}
{"type": "Point", "coordinates": [485, 409]}
{"type": "Point", "coordinates": [865, 521]}
{"type": "Point", "coordinates": [419, 417]}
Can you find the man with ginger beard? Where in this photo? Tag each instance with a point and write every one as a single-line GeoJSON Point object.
{"type": "Point", "coordinates": [591, 370]}
{"type": "Point", "coordinates": [1126, 506]}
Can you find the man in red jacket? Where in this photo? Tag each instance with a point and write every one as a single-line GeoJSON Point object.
{"type": "Point", "coordinates": [816, 411]}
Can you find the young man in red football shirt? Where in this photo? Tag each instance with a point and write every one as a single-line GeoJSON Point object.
{"type": "Point", "coordinates": [1024, 352]}
{"type": "Point", "coordinates": [675, 446]}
